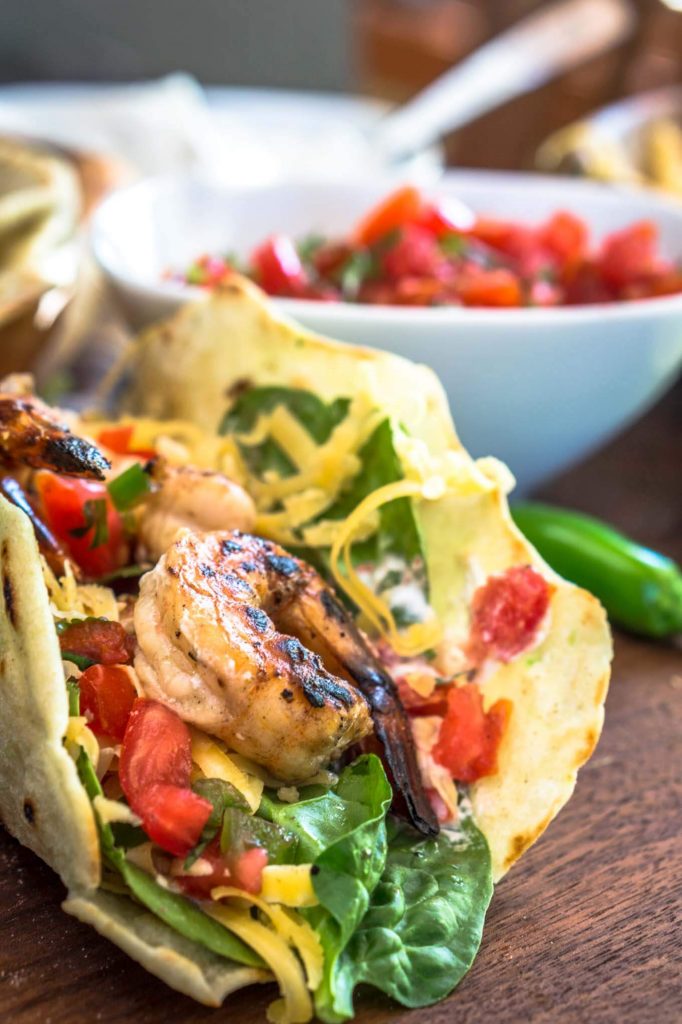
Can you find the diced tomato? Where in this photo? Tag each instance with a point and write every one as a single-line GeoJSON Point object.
{"type": "Point", "coordinates": [172, 816]}
{"type": "Point", "coordinates": [629, 255]}
{"type": "Point", "coordinates": [247, 869]}
{"type": "Point", "coordinates": [330, 258]}
{"type": "Point", "coordinates": [415, 253]}
{"type": "Point", "coordinates": [441, 219]}
{"type": "Point", "coordinates": [243, 870]}
{"type": "Point", "coordinates": [154, 772]}
{"type": "Point", "coordinates": [516, 240]}
{"type": "Point", "coordinates": [64, 506]}
{"type": "Point", "coordinates": [469, 737]}
{"type": "Point", "coordinates": [566, 237]}
{"type": "Point", "coordinates": [398, 209]}
{"type": "Point", "coordinates": [157, 747]}
{"type": "Point", "coordinates": [278, 266]}
{"type": "Point", "coordinates": [106, 698]}
{"type": "Point", "coordinates": [199, 886]}
{"type": "Point", "coordinates": [101, 640]}
{"type": "Point", "coordinates": [506, 613]}
{"type": "Point", "coordinates": [584, 285]}
{"type": "Point", "coordinates": [490, 288]}
{"type": "Point", "coordinates": [118, 440]}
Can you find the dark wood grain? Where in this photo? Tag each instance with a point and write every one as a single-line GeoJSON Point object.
{"type": "Point", "coordinates": [586, 928]}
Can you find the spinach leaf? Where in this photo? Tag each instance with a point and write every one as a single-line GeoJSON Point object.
{"type": "Point", "coordinates": [343, 833]}
{"type": "Point", "coordinates": [318, 418]}
{"type": "Point", "coordinates": [424, 924]}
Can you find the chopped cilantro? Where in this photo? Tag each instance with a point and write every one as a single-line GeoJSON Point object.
{"type": "Point", "coordinates": [95, 516]}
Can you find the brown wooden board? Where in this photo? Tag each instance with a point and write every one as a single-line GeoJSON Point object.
{"type": "Point", "coordinates": [586, 928]}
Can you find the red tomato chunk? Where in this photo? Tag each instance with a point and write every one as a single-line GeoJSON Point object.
{"type": "Point", "coordinates": [101, 640]}
{"type": "Point", "coordinates": [506, 613]}
{"type": "Point", "coordinates": [243, 870]}
{"type": "Point", "coordinates": [106, 699]}
{"type": "Point", "coordinates": [154, 771]}
{"type": "Point", "coordinates": [469, 736]}
{"type": "Point", "coordinates": [72, 510]}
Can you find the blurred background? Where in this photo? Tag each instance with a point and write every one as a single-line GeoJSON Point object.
{"type": "Point", "coordinates": [384, 48]}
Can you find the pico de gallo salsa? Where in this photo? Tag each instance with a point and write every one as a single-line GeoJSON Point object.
{"type": "Point", "coordinates": [411, 251]}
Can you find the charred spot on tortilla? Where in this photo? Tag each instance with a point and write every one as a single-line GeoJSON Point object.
{"type": "Point", "coordinates": [240, 387]}
{"type": "Point", "coordinates": [8, 596]}
{"type": "Point", "coordinates": [287, 695]}
{"type": "Point", "coordinates": [29, 811]}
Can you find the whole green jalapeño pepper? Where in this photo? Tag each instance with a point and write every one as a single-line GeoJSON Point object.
{"type": "Point", "coordinates": [640, 589]}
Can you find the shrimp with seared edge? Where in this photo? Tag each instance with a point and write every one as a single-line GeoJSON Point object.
{"type": "Point", "coordinates": [249, 643]}
{"type": "Point", "coordinates": [183, 496]}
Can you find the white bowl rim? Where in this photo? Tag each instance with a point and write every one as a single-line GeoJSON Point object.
{"type": "Point", "coordinates": [334, 313]}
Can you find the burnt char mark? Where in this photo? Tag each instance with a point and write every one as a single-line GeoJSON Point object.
{"type": "Point", "coordinates": [29, 811]}
{"type": "Point", "coordinates": [295, 650]}
{"type": "Point", "coordinates": [207, 571]}
{"type": "Point", "coordinates": [247, 567]}
{"type": "Point", "coordinates": [72, 455]}
{"type": "Point", "coordinates": [257, 618]}
{"type": "Point", "coordinates": [337, 691]}
{"type": "Point", "coordinates": [230, 547]}
{"type": "Point", "coordinates": [332, 607]}
{"type": "Point", "coordinates": [236, 582]}
{"type": "Point", "coordinates": [287, 695]}
{"type": "Point", "coordinates": [8, 595]}
{"type": "Point", "coordinates": [7, 588]}
{"type": "Point", "coordinates": [313, 693]}
{"type": "Point", "coordinates": [283, 565]}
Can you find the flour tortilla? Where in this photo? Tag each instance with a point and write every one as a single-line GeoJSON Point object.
{"type": "Point", "coordinates": [42, 802]}
{"type": "Point", "coordinates": [187, 368]}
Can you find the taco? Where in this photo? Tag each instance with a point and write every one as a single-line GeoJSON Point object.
{"type": "Point", "coordinates": [286, 691]}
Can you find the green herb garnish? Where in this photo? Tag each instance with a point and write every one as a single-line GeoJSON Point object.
{"type": "Point", "coordinates": [95, 516]}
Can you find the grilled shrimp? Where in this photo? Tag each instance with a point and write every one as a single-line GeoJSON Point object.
{"type": "Point", "coordinates": [31, 434]}
{"type": "Point", "coordinates": [250, 644]}
{"type": "Point", "coordinates": [186, 497]}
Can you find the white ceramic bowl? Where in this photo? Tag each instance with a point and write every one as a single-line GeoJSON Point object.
{"type": "Point", "coordinates": [537, 387]}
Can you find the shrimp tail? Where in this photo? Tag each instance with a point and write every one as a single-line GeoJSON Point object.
{"type": "Point", "coordinates": [392, 728]}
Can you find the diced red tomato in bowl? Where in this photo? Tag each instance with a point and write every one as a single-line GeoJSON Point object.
{"type": "Point", "coordinates": [409, 250]}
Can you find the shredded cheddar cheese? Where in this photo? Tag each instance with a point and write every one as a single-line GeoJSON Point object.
{"type": "Point", "coordinates": [70, 599]}
{"type": "Point", "coordinates": [288, 884]}
{"type": "Point", "coordinates": [296, 1006]}
{"type": "Point", "coordinates": [216, 763]}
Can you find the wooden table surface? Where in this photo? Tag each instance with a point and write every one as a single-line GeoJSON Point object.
{"type": "Point", "coordinates": [585, 928]}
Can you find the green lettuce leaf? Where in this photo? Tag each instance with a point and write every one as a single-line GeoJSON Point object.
{"type": "Point", "coordinates": [343, 833]}
{"type": "Point", "coordinates": [424, 924]}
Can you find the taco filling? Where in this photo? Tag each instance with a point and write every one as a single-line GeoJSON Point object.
{"type": "Point", "coordinates": [282, 740]}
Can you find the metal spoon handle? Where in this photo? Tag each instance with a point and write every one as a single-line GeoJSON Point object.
{"type": "Point", "coordinates": [541, 46]}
